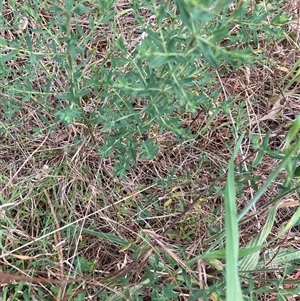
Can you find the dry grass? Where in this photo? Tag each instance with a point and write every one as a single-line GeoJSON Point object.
{"type": "Point", "coordinates": [51, 181]}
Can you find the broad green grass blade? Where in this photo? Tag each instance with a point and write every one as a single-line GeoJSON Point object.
{"type": "Point", "coordinates": [249, 263]}
{"type": "Point", "coordinates": [233, 287]}
{"type": "Point", "coordinates": [289, 153]}
{"type": "Point", "coordinates": [293, 220]}
{"type": "Point", "coordinates": [221, 254]}
{"type": "Point", "coordinates": [277, 259]}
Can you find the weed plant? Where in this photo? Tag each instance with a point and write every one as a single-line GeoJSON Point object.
{"type": "Point", "coordinates": [141, 158]}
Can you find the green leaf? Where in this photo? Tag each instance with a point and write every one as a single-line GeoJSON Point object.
{"type": "Point", "coordinates": [69, 6]}
{"type": "Point", "coordinates": [281, 257]}
{"type": "Point", "coordinates": [219, 34]}
{"type": "Point", "coordinates": [194, 12]}
{"type": "Point", "coordinates": [80, 9]}
{"type": "Point", "coordinates": [184, 11]}
{"type": "Point", "coordinates": [107, 17]}
{"type": "Point", "coordinates": [280, 19]}
{"type": "Point", "coordinates": [119, 44]}
{"type": "Point", "coordinates": [161, 15]}
{"type": "Point", "coordinates": [28, 41]}
{"type": "Point", "coordinates": [69, 114]}
{"type": "Point", "coordinates": [275, 155]}
{"type": "Point", "coordinates": [201, 14]}
{"type": "Point", "coordinates": [249, 263]}
{"type": "Point", "coordinates": [158, 60]}
{"type": "Point", "coordinates": [262, 151]}
{"type": "Point", "coordinates": [105, 6]}
{"type": "Point", "coordinates": [207, 51]}
{"type": "Point", "coordinates": [28, 10]}
{"type": "Point", "coordinates": [287, 158]}
{"type": "Point", "coordinates": [221, 254]}
{"type": "Point", "coordinates": [242, 55]}
{"type": "Point", "coordinates": [240, 12]}
{"type": "Point", "coordinates": [32, 59]}
{"type": "Point", "coordinates": [65, 95]}
{"type": "Point", "coordinates": [222, 4]}
{"type": "Point", "coordinates": [233, 286]}
{"type": "Point", "coordinates": [105, 236]}
{"type": "Point", "coordinates": [57, 9]}
{"type": "Point", "coordinates": [297, 172]}
{"type": "Point", "coordinates": [150, 150]}
{"type": "Point", "coordinates": [291, 223]}
{"type": "Point", "coordinates": [2, 42]}
{"type": "Point", "coordinates": [8, 56]}
{"type": "Point", "coordinates": [82, 92]}
{"type": "Point", "coordinates": [294, 131]}
{"type": "Point", "coordinates": [105, 150]}
{"type": "Point", "coordinates": [108, 126]}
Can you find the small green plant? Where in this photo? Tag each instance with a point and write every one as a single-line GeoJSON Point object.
{"type": "Point", "coordinates": [141, 87]}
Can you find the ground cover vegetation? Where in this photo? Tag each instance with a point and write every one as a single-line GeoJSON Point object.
{"type": "Point", "coordinates": [149, 150]}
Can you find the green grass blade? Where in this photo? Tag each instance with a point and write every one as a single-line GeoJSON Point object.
{"type": "Point", "coordinates": [234, 291]}
{"type": "Point", "coordinates": [293, 220]}
{"type": "Point", "coordinates": [289, 153]}
{"type": "Point", "coordinates": [105, 236]}
{"type": "Point", "coordinates": [249, 263]}
{"type": "Point", "coordinates": [278, 258]}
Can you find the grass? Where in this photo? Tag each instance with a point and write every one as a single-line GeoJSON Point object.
{"type": "Point", "coordinates": [149, 151]}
